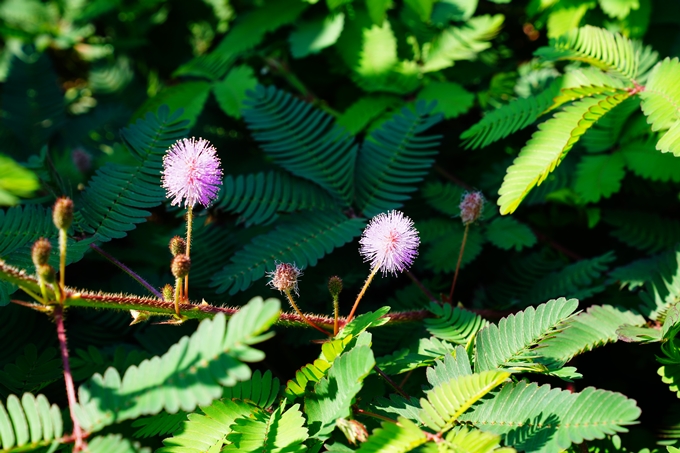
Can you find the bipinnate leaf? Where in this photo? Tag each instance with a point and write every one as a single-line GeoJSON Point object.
{"type": "Point", "coordinates": [279, 432]}
{"type": "Point", "coordinates": [231, 91]}
{"type": "Point", "coordinates": [114, 443]}
{"type": "Point", "coordinates": [402, 436]}
{"type": "Point", "coordinates": [545, 420]}
{"type": "Point", "coordinates": [453, 365]}
{"type": "Point", "coordinates": [550, 144]}
{"type": "Point", "coordinates": [661, 104]}
{"type": "Point", "coordinates": [452, 99]}
{"type": "Point", "coordinates": [512, 344]}
{"type": "Point", "coordinates": [446, 402]}
{"type": "Point", "coordinates": [192, 372]}
{"type": "Point", "coordinates": [465, 439]}
{"type": "Point", "coordinates": [261, 389]}
{"type": "Point", "coordinates": [29, 423]}
{"type": "Point", "coordinates": [599, 176]}
{"type": "Point", "coordinates": [333, 395]}
{"type": "Point", "coordinates": [508, 233]}
{"type": "Point", "coordinates": [453, 324]}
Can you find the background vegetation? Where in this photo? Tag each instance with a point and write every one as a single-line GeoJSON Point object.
{"type": "Point", "coordinates": [325, 114]}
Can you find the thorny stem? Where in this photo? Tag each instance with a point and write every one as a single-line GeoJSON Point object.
{"type": "Point", "coordinates": [391, 382]}
{"type": "Point", "coordinates": [302, 315]}
{"type": "Point", "coordinates": [363, 291]}
{"type": "Point", "coordinates": [460, 258]}
{"type": "Point", "coordinates": [425, 291]}
{"type": "Point", "coordinates": [190, 221]}
{"type": "Point", "coordinates": [127, 270]}
{"type": "Point", "coordinates": [62, 257]}
{"type": "Point", "coordinates": [68, 378]}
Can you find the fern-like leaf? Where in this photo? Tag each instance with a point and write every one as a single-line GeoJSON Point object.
{"type": "Point", "coordinates": [259, 197]}
{"type": "Point", "coordinates": [444, 197]}
{"type": "Point", "coordinates": [453, 365]}
{"type": "Point", "coordinates": [160, 424]}
{"type": "Point", "coordinates": [31, 372]}
{"type": "Point", "coordinates": [550, 144]}
{"type": "Point", "coordinates": [29, 422]}
{"type": "Point", "coordinates": [446, 402]}
{"type": "Point", "coordinates": [513, 343]}
{"type": "Point", "coordinates": [261, 389]}
{"type": "Point", "coordinates": [394, 158]}
{"type": "Point", "coordinates": [423, 353]}
{"type": "Point", "coordinates": [115, 443]}
{"type": "Point", "coordinates": [453, 324]}
{"type": "Point", "coordinates": [400, 437]}
{"type": "Point", "coordinates": [280, 432]}
{"type": "Point", "coordinates": [644, 160]}
{"type": "Point", "coordinates": [662, 290]}
{"type": "Point", "coordinates": [601, 48]}
{"type": "Point", "coordinates": [463, 439]}
{"type": "Point", "coordinates": [540, 419]}
{"type": "Point", "coordinates": [599, 176]}
{"type": "Point", "coordinates": [660, 103]}
{"type": "Point", "coordinates": [117, 197]}
{"type": "Point", "coordinates": [186, 376]}
{"type": "Point", "coordinates": [508, 233]}
{"type": "Point", "coordinates": [588, 330]}
{"type": "Point", "coordinates": [302, 239]}
{"type": "Point", "coordinates": [646, 231]}
{"type": "Point", "coordinates": [302, 139]}
{"type": "Point", "coordinates": [333, 395]}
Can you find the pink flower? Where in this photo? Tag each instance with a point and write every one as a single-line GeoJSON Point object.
{"type": "Point", "coordinates": [471, 207]}
{"type": "Point", "coordinates": [285, 277]}
{"type": "Point", "coordinates": [191, 172]}
{"type": "Point", "coordinates": [390, 241]}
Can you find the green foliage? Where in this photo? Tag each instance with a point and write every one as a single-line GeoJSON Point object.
{"type": "Point", "coordinates": [659, 102]}
{"type": "Point", "coordinates": [453, 324]}
{"type": "Point", "coordinates": [29, 422]}
{"type": "Point", "coordinates": [16, 181]}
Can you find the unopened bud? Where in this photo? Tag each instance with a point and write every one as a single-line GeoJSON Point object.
{"type": "Point", "coordinates": [62, 215]}
{"type": "Point", "coordinates": [354, 430]}
{"type": "Point", "coordinates": [180, 266]}
{"type": "Point", "coordinates": [178, 246]}
{"type": "Point", "coordinates": [284, 277]}
{"type": "Point", "coordinates": [138, 316]}
{"type": "Point", "coordinates": [471, 207]}
{"type": "Point", "coordinates": [168, 293]}
{"type": "Point", "coordinates": [47, 273]}
{"type": "Point", "coordinates": [40, 252]}
{"type": "Point", "coordinates": [335, 286]}
{"type": "Point", "coordinates": [82, 160]}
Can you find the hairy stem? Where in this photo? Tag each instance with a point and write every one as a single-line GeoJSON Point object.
{"type": "Point", "coordinates": [460, 258]}
{"type": "Point", "coordinates": [363, 291]}
{"type": "Point", "coordinates": [190, 221]}
{"type": "Point", "coordinates": [336, 313]}
{"type": "Point", "coordinates": [62, 257]}
{"type": "Point", "coordinates": [127, 270]}
{"type": "Point", "coordinates": [68, 378]}
{"type": "Point", "coordinates": [178, 294]}
{"type": "Point", "coordinates": [302, 315]}
{"type": "Point", "coordinates": [425, 291]}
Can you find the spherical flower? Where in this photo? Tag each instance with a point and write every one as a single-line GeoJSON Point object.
{"type": "Point", "coordinates": [471, 207]}
{"type": "Point", "coordinates": [284, 277]}
{"type": "Point", "coordinates": [192, 173]}
{"type": "Point", "coordinates": [390, 241]}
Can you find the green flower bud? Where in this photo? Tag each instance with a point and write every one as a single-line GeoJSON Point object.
{"type": "Point", "coordinates": [168, 293]}
{"type": "Point", "coordinates": [40, 252]}
{"type": "Point", "coordinates": [335, 286]}
{"type": "Point", "coordinates": [62, 215]}
{"type": "Point", "coordinates": [180, 266]}
{"type": "Point", "coordinates": [178, 246]}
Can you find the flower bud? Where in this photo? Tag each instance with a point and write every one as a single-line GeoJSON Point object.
{"type": "Point", "coordinates": [178, 246]}
{"type": "Point", "coordinates": [138, 316]}
{"type": "Point", "coordinates": [285, 277]}
{"type": "Point", "coordinates": [335, 286]}
{"type": "Point", "coordinates": [47, 273]}
{"type": "Point", "coordinates": [168, 293]}
{"type": "Point", "coordinates": [62, 215]}
{"type": "Point", "coordinates": [180, 266]}
{"type": "Point", "coordinates": [471, 207]}
{"type": "Point", "coordinates": [40, 252]}
{"type": "Point", "coordinates": [354, 430]}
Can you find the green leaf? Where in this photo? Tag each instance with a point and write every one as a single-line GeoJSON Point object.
{"type": "Point", "coordinates": [403, 436]}
{"type": "Point", "coordinates": [599, 176]}
{"type": "Point", "coordinates": [29, 422]}
{"type": "Point", "coordinates": [507, 233]}
{"type": "Point", "coordinates": [453, 365]}
{"type": "Point", "coordinates": [619, 9]}
{"type": "Point", "coordinates": [445, 11]}
{"type": "Point", "coordinates": [333, 395]}
{"type": "Point", "coordinates": [189, 96]}
{"type": "Point", "coordinates": [540, 419]}
{"type": "Point", "coordinates": [191, 373]}
{"type": "Point", "coordinates": [114, 443]}
{"type": "Point", "coordinates": [513, 343]}
{"type": "Point", "coordinates": [377, 10]}
{"type": "Point", "coordinates": [423, 8]}
{"type": "Point", "coordinates": [313, 36]}
{"type": "Point", "coordinates": [642, 158]}
{"type": "Point", "coordinates": [646, 231]}
{"type": "Point", "coordinates": [550, 144]}
{"type": "Point", "coordinates": [469, 440]}
{"type": "Point", "coordinates": [231, 92]}
{"type": "Point", "coordinates": [422, 353]}
{"type": "Point", "coordinates": [452, 99]}
{"type": "Point", "coordinates": [442, 239]}
{"type": "Point", "coordinates": [660, 103]}
{"type": "Point", "coordinates": [461, 43]}
{"type": "Point", "coordinates": [367, 109]}
{"type": "Point", "coordinates": [446, 402]}
{"type": "Point", "coordinates": [280, 432]}
{"type": "Point", "coordinates": [302, 239]}
{"type": "Point", "coordinates": [453, 324]}
{"type": "Point", "coordinates": [565, 18]}
{"type": "Point", "coordinates": [15, 182]}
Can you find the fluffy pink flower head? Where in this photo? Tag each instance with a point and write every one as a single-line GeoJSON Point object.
{"type": "Point", "coordinates": [191, 172]}
{"type": "Point", "coordinates": [284, 277]}
{"type": "Point", "coordinates": [471, 207]}
{"type": "Point", "coordinates": [390, 241]}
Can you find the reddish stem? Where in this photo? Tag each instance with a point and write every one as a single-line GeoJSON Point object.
{"type": "Point", "coordinates": [460, 258]}
{"type": "Point", "coordinates": [425, 291]}
{"type": "Point", "coordinates": [68, 377]}
{"type": "Point", "coordinates": [394, 385]}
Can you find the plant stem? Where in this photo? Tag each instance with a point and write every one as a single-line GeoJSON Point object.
{"type": "Point", "coordinates": [460, 258]}
{"type": "Point", "coordinates": [62, 257]}
{"type": "Point", "coordinates": [68, 378]}
{"type": "Point", "coordinates": [391, 382]}
{"type": "Point", "coordinates": [374, 415]}
{"type": "Point", "coordinates": [363, 291]}
{"type": "Point", "coordinates": [302, 315]}
{"type": "Point", "coordinates": [336, 312]}
{"type": "Point", "coordinates": [127, 270]}
{"type": "Point", "coordinates": [190, 221]}
{"type": "Point", "coordinates": [425, 291]}
{"type": "Point", "coordinates": [178, 294]}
